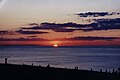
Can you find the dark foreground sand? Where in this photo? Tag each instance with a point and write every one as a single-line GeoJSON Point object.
{"type": "Point", "coordinates": [26, 72]}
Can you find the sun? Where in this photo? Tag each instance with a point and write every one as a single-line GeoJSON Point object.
{"type": "Point", "coordinates": [55, 45]}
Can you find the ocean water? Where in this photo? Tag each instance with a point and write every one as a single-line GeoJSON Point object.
{"type": "Point", "coordinates": [84, 57]}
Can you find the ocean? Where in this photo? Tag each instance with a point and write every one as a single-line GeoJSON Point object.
{"type": "Point", "coordinates": [103, 57]}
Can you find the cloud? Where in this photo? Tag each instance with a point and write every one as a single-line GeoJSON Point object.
{"type": "Point", "coordinates": [30, 32]}
{"type": "Point", "coordinates": [97, 14]}
{"type": "Point", "coordinates": [103, 24]}
{"type": "Point", "coordinates": [106, 24]}
{"type": "Point", "coordinates": [3, 32]}
{"type": "Point", "coordinates": [83, 38]}
{"type": "Point", "coordinates": [65, 27]}
{"type": "Point", "coordinates": [7, 32]}
{"type": "Point", "coordinates": [23, 39]}
{"type": "Point", "coordinates": [91, 38]}
{"type": "Point", "coordinates": [98, 24]}
{"type": "Point", "coordinates": [55, 27]}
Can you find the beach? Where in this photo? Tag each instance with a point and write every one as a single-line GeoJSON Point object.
{"type": "Point", "coordinates": [31, 72]}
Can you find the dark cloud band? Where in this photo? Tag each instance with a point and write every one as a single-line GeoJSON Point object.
{"type": "Point", "coordinates": [79, 38]}
{"type": "Point", "coordinates": [98, 24]}
{"type": "Point", "coordinates": [97, 14]}
{"type": "Point", "coordinates": [92, 38]}
{"type": "Point", "coordinates": [31, 32]}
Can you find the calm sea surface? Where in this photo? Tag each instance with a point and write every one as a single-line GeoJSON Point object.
{"type": "Point", "coordinates": [70, 57]}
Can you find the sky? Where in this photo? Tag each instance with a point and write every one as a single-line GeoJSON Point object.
{"type": "Point", "coordinates": [63, 22]}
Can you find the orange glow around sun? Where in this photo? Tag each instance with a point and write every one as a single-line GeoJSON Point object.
{"type": "Point", "coordinates": [55, 45]}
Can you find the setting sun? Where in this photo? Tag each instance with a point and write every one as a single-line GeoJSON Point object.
{"type": "Point", "coordinates": [55, 45]}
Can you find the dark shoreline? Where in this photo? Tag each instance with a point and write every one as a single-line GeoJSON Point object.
{"type": "Point", "coordinates": [31, 72]}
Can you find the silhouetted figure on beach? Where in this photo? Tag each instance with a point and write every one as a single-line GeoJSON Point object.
{"type": "Point", "coordinates": [76, 68]}
{"type": "Point", "coordinates": [91, 69]}
{"type": "Point", "coordinates": [100, 70]}
{"type": "Point", "coordinates": [39, 65]}
{"type": "Point", "coordinates": [5, 60]}
{"type": "Point", "coordinates": [116, 72]}
{"type": "Point", "coordinates": [113, 71]}
{"type": "Point", "coordinates": [119, 70]}
{"type": "Point", "coordinates": [106, 71]}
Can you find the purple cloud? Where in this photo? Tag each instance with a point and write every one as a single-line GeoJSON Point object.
{"type": "Point", "coordinates": [98, 24]}
{"type": "Point", "coordinates": [97, 14]}
{"type": "Point", "coordinates": [3, 32]}
{"type": "Point", "coordinates": [30, 32]}
{"type": "Point", "coordinates": [92, 38]}
{"type": "Point", "coordinates": [23, 39]}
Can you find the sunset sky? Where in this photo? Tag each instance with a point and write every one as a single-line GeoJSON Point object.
{"type": "Point", "coordinates": [62, 22]}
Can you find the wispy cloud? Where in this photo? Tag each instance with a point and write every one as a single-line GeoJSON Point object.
{"type": "Point", "coordinates": [79, 38]}
{"type": "Point", "coordinates": [65, 27]}
{"type": "Point", "coordinates": [7, 32]}
{"type": "Point", "coordinates": [3, 32]}
{"type": "Point", "coordinates": [97, 14]}
{"type": "Point", "coordinates": [92, 38]}
{"type": "Point", "coordinates": [23, 39]}
{"type": "Point", "coordinates": [30, 32]}
{"type": "Point", "coordinates": [98, 24]}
